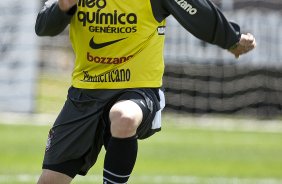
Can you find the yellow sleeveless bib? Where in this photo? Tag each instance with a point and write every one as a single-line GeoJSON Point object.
{"type": "Point", "coordinates": [118, 44]}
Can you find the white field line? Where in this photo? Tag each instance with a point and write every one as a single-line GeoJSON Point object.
{"type": "Point", "coordinates": [209, 122]}
{"type": "Point", "coordinates": [160, 179]}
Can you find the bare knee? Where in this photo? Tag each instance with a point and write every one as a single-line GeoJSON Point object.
{"type": "Point", "coordinates": [52, 177]}
{"type": "Point", "coordinates": [125, 117]}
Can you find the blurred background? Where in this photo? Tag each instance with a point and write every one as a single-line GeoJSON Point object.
{"type": "Point", "coordinates": [202, 78]}
{"type": "Point", "coordinates": [222, 122]}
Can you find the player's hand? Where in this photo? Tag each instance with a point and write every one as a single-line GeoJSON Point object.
{"type": "Point", "coordinates": [247, 43]}
{"type": "Point", "coordinates": [65, 5]}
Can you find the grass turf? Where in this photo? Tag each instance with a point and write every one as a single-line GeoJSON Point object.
{"type": "Point", "coordinates": [176, 151]}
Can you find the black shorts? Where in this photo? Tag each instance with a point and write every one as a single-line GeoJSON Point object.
{"type": "Point", "coordinates": [83, 126]}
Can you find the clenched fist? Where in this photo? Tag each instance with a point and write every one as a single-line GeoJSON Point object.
{"type": "Point", "coordinates": [65, 5]}
{"type": "Point", "coordinates": [247, 43]}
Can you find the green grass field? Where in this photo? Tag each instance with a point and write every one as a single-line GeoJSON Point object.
{"type": "Point", "coordinates": [178, 152]}
{"type": "Point", "coordinates": [188, 150]}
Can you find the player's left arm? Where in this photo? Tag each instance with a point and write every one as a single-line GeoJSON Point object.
{"type": "Point", "coordinates": [205, 21]}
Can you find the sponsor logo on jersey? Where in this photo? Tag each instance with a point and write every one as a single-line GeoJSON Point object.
{"type": "Point", "coordinates": [112, 18]}
{"type": "Point", "coordinates": [112, 29]}
{"type": "Point", "coordinates": [105, 22]}
{"type": "Point", "coordinates": [116, 75]}
{"type": "Point", "coordinates": [186, 6]}
{"type": "Point", "coordinates": [95, 45]}
{"type": "Point", "coordinates": [92, 3]}
{"type": "Point", "coordinates": [107, 60]}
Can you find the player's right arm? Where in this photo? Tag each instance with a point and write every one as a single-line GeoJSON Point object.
{"type": "Point", "coordinates": [54, 17]}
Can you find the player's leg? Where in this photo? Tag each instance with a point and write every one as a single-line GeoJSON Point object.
{"type": "Point", "coordinates": [52, 177]}
{"type": "Point", "coordinates": [74, 140]}
{"type": "Point", "coordinates": [125, 117]}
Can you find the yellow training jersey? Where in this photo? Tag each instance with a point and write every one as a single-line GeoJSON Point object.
{"type": "Point", "coordinates": [118, 44]}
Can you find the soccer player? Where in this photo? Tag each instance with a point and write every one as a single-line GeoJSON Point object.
{"type": "Point", "coordinates": [116, 97]}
